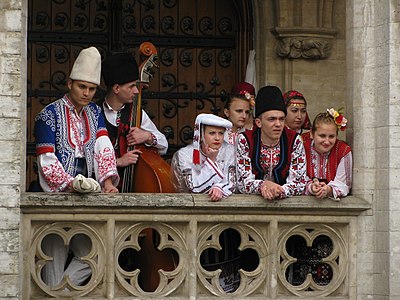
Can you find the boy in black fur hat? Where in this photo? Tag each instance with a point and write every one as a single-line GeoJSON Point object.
{"type": "Point", "coordinates": [271, 158]}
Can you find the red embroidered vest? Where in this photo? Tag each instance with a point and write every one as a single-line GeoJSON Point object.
{"type": "Point", "coordinates": [339, 150]}
{"type": "Point", "coordinates": [281, 171]}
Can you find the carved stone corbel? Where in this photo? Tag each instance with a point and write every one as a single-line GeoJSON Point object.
{"type": "Point", "coordinates": [304, 29]}
{"type": "Point", "coordinates": [303, 47]}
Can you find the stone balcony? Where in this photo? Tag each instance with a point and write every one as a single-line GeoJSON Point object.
{"type": "Point", "coordinates": [187, 225]}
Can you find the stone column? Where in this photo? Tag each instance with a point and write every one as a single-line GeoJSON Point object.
{"type": "Point", "coordinates": [373, 73]}
{"type": "Point", "coordinates": [12, 140]}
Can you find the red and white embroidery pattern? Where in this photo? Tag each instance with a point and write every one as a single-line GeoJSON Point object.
{"type": "Point", "coordinates": [56, 177]}
{"type": "Point", "coordinates": [106, 163]}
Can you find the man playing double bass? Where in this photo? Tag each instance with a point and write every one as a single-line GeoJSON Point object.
{"type": "Point", "coordinates": [121, 74]}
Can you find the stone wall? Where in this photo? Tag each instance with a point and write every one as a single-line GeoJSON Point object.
{"type": "Point", "coordinates": [373, 87]}
{"type": "Point", "coordinates": [12, 141]}
{"type": "Point", "coordinates": [322, 81]}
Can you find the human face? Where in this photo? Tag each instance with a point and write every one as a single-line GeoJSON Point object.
{"type": "Point", "coordinates": [213, 136]}
{"type": "Point", "coordinates": [324, 137]}
{"type": "Point", "coordinates": [126, 92]}
{"type": "Point", "coordinates": [271, 123]}
{"type": "Point", "coordinates": [296, 114]}
{"type": "Point", "coordinates": [238, 113]}
{"type": "Point", "coordinates": [81, 93]}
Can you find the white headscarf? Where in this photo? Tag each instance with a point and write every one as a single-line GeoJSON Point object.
{"type": "Point", "coordinates": [205, 119]}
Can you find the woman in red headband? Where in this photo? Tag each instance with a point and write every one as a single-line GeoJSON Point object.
{"type": "Point", "coordinates": [297, 118]}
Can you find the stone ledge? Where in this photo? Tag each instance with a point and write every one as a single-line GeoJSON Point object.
{"type": "Point", "coordinates": [186, 203]}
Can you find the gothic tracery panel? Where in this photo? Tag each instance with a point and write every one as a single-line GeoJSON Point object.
{"type": "Point", "coordinates": [56, 248]}
{"type": "Point", "coordinates": [313, 260]}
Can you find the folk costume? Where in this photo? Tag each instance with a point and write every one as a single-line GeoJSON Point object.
{"type": "Point", "coordinates": [193, 172]}
{"type": "Point", "coordinates": [69, 143]}
{"type": "Point", "coordinates": [334, 167]}
{"type": "Point", "coordinates": [283, 163]}
{"type": "Point", "coordinates": [119, 69]}
{"type": "Point", "coordinates": [71, 146]}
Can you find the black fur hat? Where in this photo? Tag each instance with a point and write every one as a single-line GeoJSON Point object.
{"type": "Point", "coordinates": [269, 98]}
{"type": "Point", "coordinates": [119, 68]}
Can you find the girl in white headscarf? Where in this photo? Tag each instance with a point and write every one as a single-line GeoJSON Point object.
{"type": "Point", "coordinates": [208, 164]}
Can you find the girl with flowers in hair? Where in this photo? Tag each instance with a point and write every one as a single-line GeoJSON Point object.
{"type": "Point", "coordinates": [238, 109]}
{"type": "Point", "coordinates": [297, 118]}
{"type": "Point", "coordinates": [329, 160]}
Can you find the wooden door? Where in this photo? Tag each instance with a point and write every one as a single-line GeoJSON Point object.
{"type": "Point", "coordinates": [202, 46]}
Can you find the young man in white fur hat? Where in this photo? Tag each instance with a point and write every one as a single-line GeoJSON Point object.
{"type": "Point", "coordinates": [72, 146]}
{"type": "Point", "coordinates": [71, 136]}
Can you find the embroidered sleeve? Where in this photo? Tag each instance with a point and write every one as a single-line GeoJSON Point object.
{"type": "Point", "coordinates": [246, 181]}
{"type": "Point", "coordinates": [45, 131]}
{"type": "Point", "coordinates": [341, 185]}
{"type": "Point", "coordinates": [52, 175]}
{"type": "Point", "coordinates": [105, 164]}
{"type": "Point", "coordinates": [297, 178]}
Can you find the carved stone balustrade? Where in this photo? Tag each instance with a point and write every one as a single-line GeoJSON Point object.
{"type": "Point", "coordinates": [304, 29]}
{"type": "Point", "coordinates": [301, 247]}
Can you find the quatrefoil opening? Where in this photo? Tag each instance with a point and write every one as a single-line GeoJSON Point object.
{"type": "Point", "coordinates": [309, 260]}
{"type": "Point", "coordinates": [65, 267]}
{"type": "Point", "coordinates": [228, 259]}
{"type": "Point", "coordinates": [147, 262]}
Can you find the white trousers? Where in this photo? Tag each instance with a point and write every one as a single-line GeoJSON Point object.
{"type": "Point", "coordinates": [77, 271]}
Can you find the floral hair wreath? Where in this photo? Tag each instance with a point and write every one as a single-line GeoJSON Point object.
{"type": "Point", "coordinates": [249, 97]}
{"type": "Point", "coordinates": [338, 117]}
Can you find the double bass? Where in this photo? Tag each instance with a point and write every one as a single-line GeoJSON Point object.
{"type": "Point", "coordinates": [151, 174]}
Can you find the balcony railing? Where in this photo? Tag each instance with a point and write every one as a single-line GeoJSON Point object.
{"type": "Point", "coordinates": [297, 248]}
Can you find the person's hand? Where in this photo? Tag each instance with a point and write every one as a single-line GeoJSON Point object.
{"type": "Point", "coordinates": [324, 191]}
{"type": "Point", "coordinates": [271, 190]}
{"type": "Point", "coordinates": [215, 194]}
{"type": "Point", "coordinates": [109, 187]}
{"type": "Point", "coordinates": [210, 153]}
{"type": "Point", "coordinates": [138, 136]}
{"type": "Point", "coordinates": [129, 158]}
{"type": "Point", "coordinates": [315, 186]}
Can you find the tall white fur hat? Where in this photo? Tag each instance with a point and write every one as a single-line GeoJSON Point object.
{"type": "Point", "coordinates": [87, 66]}
{"type": "Point", "coordinates": [206, 119]}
